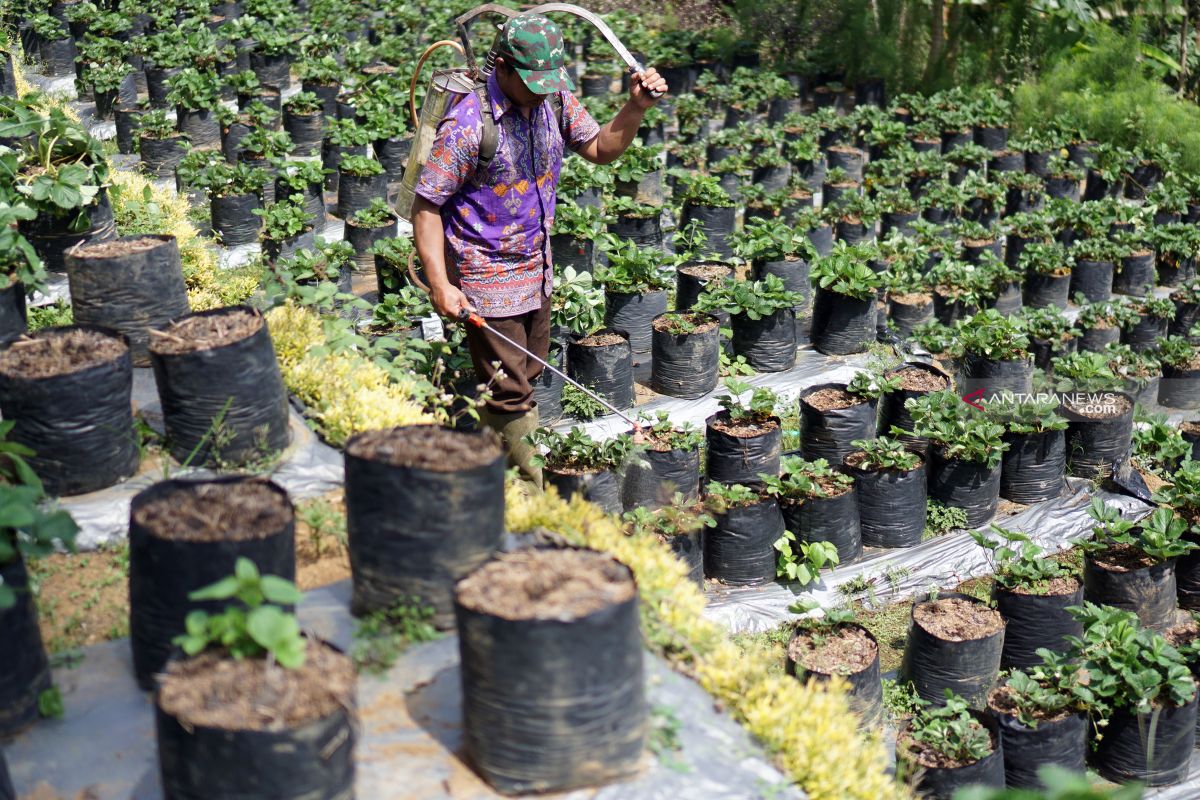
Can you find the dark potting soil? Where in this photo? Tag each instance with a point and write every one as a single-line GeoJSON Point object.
{"type": "Point", "coordinates": [1054, 587]}
{"type": "Point", "coordinates": [702, 323]}
{"type": "Point", "coordinates": [707, 271]}
{"type": "Point", "coordinates": [116, 247]}
{"type": "Point", "coordinates": [833, 399]}
{"type": "Point", "coordinates": [746, 430]}
{"type": "Point", "coordinates": [858, 461]}
{"type": "Point", "coordinates": [1001, 700]}
{"type": "Point", "coordinates": [216, 691]}
{"type": "Point", "coordinates": [926, 756]}
{"type": "Point", "coordinates": [53, 353]}
{"type": "Point", "coordinates": [546, 584]}
{"type": "Point", "coordinates": [919, 380]}
{"type": "Point", "coordinates": [600, 340]}
{"type": "Point", "coordinates": [911, 299]}
{"type": "Point", "coordinates": [1120, 405]}
{"type": "Point", "coordinates": [956, 620]}
{"type": "Point", "coordinates": [1123, 558]}
{"type": "Point", "coordinates": [1191, 427]}
{"type": "Point", "coordinates": [426, 447]}
{"type": "Point", "coordinates": [205, 332]}
{"type": "Point", "coordinates": [845, 651]}
{"type": "Point", "coordinates": [212, 512]}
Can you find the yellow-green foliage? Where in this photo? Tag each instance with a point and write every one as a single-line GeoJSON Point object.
{"type": "Point", "coordinates": [807, 726]}
{"type": "Point", "coordinates": [344, 392]}
{"type": "Point", "coordinates": [141, 207]}
{"type": "Point", "coordinates": [24, 87]}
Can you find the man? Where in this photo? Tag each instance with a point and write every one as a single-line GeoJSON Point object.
{"type": "Point", "coordinates": [483, 231]}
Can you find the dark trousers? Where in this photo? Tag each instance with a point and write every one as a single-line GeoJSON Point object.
{"type": "Point", "coordinates": [513, 392]}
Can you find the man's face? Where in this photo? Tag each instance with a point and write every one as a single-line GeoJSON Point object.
{"type": "Point", "coordinates": [512, 85]}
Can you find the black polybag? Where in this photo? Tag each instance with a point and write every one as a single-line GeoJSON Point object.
{"type": "Point", "coordinates": [972, 486]}
{"type": "Point", "coordinates": [606, 370]}
{"type": "Point", "coordinates": [653, 482]}
{"type": "Point", "coordinates": [968, 668]}
{"type": "Point", "coordinates": [685, 365]}
{"type": "Point", "coordinates": [842, 325]}
{"type": "Point", "coordinates": [237, 384]}
{"type": "Point", "coordinates": [1033, 468]}
{"type": "Point", "coordinates": [827, 519]}
{"type": "Point", "coordinates": [740, 549]}
{"type": "Point", "coordinates": [769, 343]}
{"type": "Point", "coordinates": [1057, 742]}
{"type": "Point", "coordinates": [78, 425]}
{"type": "Point", "coordinates": [738, 459]}
{"type": "Point", "coordinates": [415, 532]}
{"type": "Point", "coordinates": [1123, 754]}
{"type": "Point", "coordinates": [552, 705]}
{"type": "Point", "coordinates": [828, 434]}
{"type": "Point", "coordinates": [313, 759]}
{"type": "Point", "coordinates": [891, 506]}
{"type": "Point", "coordinates": [1033, 621]}
{"type": "Point", "coordinates": [24, 670]}
{"type": "Point", "coordinates": [131, 292]}
{"type": "Point", "coordinates": [1148, 592]}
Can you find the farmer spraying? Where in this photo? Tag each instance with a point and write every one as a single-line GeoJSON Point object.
{"type": "Point", "coordinates": [485, 204]}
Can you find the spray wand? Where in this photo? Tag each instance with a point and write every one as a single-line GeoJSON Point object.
{"type": "Point", "coordinates": [481, 323]}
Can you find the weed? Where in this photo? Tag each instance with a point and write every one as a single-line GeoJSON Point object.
{"type": "Point", "coordinates": [664, 740]}
{"type": "Point", "coordinates": [941, 519]}
{"type": "Point", "coordinates": [383, 635]}
{"type": "Point", "coordinates": [576, 403]}
{"type": "Point", "coordinates": [324, 520]}
{"type": "Point", "coordinates": [50, 703]}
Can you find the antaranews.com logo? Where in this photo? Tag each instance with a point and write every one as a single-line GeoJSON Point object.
{"type": "Point", "coordinates": [1090, 403]}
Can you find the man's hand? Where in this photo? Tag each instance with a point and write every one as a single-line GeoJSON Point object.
{"type": "Point", "coordinates": [449, 300]}
{"type": "Point", "coordinates": [642, 84]}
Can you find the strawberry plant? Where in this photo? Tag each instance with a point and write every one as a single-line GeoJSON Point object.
{"type": "Point", "coordinates": [672, 520]}
{"type": "Point", "coordinates": [254, 628]}
{"type": "Point", "coordinates": [1045, 691]}
{"type": "Point", "coordinates": [802, 479]}
{"type": "Point", "coordinates": [993, 335]}
{"type": "Point", "coordinates": [400, 310]}
{"type": "Point", "coordinates": [884, 453]}
{"type": "Point", "coordinates": [195, 90]}
{"type": "Point", "coordinates": [1027, 418]}
{"type": "Point", "coordinates": [576, 450]}
{"type": "Point", "coordinates": [1158, 446]}
{"type": "Point", "coordinates": [1018, 563]}
{"type": "Point", "coordinates": [375, 215]}
{"type": "Point", "coordinates": [637, 162]}
{"type": "Point", "coordinates": [719, 498]}
{"type": "Point", "coordinates": [756, 299]}
{"type": "Point", "coordinates": [950, 731]}
{"type": "Point", "coordinates": [631, 269]}
{"type": "Point", "coordinates": [698, 189]}
{"type": "Point", "coordinates": [1084, 372]}
{"type": "Point", "coordinates": [1179, 352]}
{"type": "Point", "coordinates": [305, 103]}
{"type": "Point", "coordinates": [803, 564]}
{"type": "Point", "coordinates": [962, 432]}
{"type": "Point", "coordinates": [1128, 667]}
{"type": "Point", "coordinates": [756, 410]}
{"type": "Point", "coordinates": [1049, 324]}
{"type": "Point", "coordinates": [359, 166]}
{"type": "Point", "coordinates": [283, 219]}
{"type": "Point", "coordinates": [1159, 535]}
{"type": "Point", "coordinates": [845, 271]}
{"type": "Point", "coordinates": [771, 240]}
{"type": "Point", "coordinates": [579, 222]}
{"type": "Point", "coordinates": [681, 436]}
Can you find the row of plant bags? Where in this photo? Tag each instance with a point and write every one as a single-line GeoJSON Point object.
{"type": "Point", "coordinates": [943, 562]}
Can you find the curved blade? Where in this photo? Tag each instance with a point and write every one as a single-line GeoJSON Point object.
{"type": "Point", "coordinates": [598, 24]}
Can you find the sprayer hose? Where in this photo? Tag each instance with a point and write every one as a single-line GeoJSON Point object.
{"type": "Point", "coordinates": [412, 86]}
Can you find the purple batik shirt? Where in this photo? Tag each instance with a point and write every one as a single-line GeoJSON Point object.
{"type": "Point", "coordinates": [497, 223]}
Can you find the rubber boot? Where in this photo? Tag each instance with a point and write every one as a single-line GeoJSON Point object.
{"type": "Point", "coordinates": [513, 428]}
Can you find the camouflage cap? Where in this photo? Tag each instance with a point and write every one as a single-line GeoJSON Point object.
{"type": "Point", "coordinates": [533, 45]}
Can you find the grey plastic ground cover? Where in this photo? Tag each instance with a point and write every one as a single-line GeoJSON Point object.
{"type": "Point", "coordinates": [410, 738]}
{"type": "Point", "coordinates": [943, 562]}
{"type": "Point", "coordinates": [307, 468]}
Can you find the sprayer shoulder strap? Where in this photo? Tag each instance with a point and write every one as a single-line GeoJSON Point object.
{"type": "Point", "coordinates": [489, 138]}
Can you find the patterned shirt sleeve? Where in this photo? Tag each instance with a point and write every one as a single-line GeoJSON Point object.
{"type": "Point", "coordinates": [580, 127]}
{"type": "Point", "coordinates": [454, 155]}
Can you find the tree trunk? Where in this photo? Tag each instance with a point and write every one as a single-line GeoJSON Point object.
{"type": "Point", "coordinates": [937, 34]}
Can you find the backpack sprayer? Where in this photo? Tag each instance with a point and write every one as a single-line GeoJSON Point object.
{"type": "Point", "coordinates": [446, 89]}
